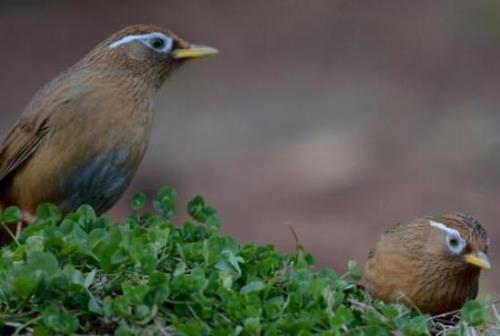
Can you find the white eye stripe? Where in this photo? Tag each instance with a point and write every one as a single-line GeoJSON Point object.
{"type": "Point", "coordinates": [444, 228]}
{"type": "Point", "coordinates": [125, 40]}
{"type": "Point", "coordinates": [146, 40]}
{"type": "Point", "coordinates": [451, 234]}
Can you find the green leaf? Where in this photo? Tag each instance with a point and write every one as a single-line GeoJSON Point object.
{"type": "Point", "coordinates": [49, 212]}
{"type": "Point", "coordinates": [138, 201]}
{"type": "Point", "coordinates": [203, 214]}
{"type": "Point", "coordinates": [107, 306]}
{"type": "Point", "coordinates": [354, 271]}
{"type": "Point", "coordinates": [107, 247]}
{"type": "Point", "coordinates": [229, 262]}
{"type": "Point", "coordinates": [45, 262]}
{"type": "Point", "coordinates": [165, 202]}
{"type": "Point", "coordinates": [252, 287]}
{"type": "Point", "coordinates": [195, 207]}
{"type": "Point", "coordinates": [417, 326]}
{"type": "Point", "coordinates": [24, 281]}
{"type": "Point", "coordinates": [124, 330]}
{"type": "Point", "coordinates": [59, 320]}
{"type": "Point", "coordinates": [11, 215]}
{"type": "Point", "coordinates": [180, 269]}
{"type": "Point", "coordinates": [252, 325]}
{"type": "Point", "coordinates": [86, 215]}
{"type": "Point", "coordinates": [474, 313]}
{"type": "Point", "coordinates": [342, 317]}
{"type": "Point", "coordinates": [34, 243]}
{"type": "Point", "coordinates": [89, 279]}
{"type": "Point", "coordinates": [95, 307]}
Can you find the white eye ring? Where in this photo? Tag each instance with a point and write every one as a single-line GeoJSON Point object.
{"type": "Point", "coordinates": [456, 243]}
{"type": "Point", "coordinates": [454, 240]}
{"type": "Point", "coordinates": [149, 40]}
{"type": "Point", "coordinates": [160, 43]}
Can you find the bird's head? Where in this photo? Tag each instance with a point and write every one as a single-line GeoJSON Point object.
{"type": "Point", "coordinates": [146, 50]}
{"type": "Point", "coordinates": [432, 263]}
{"type": "Point", "coordinates": [458, 239]}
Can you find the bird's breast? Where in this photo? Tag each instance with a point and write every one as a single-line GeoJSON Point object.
{"type": "Point", "coordinates": [98, 180]}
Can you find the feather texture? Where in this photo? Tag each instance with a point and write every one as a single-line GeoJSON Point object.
{"type": "Point", "coordinates": [412, 264]}
{"type": "Point", "coordinates": [83, 135]}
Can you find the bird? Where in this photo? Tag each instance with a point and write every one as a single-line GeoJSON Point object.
{"type": "Point", "coordinates": [83, 135]}
{"type": "Point", "coordinates": [432, 263]}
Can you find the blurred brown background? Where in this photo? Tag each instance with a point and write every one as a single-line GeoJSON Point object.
{"type": "Point", "coordinates": [338, 118]}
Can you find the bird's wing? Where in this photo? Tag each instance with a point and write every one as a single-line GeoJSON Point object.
{"type": "Point", "coordinates": [21, 142]}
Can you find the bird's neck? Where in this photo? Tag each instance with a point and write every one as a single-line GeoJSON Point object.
{"type": "Point", "coordinates": [127, 83]}
{"type": "Point", "coordinates": [139, 75]}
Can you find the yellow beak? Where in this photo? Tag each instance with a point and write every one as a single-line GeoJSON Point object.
{"type": "Point", "coordinates": [194, 51]}
{"type": "Point", "coordinates": [478, 259]}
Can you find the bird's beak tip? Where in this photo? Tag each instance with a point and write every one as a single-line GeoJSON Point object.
{"type": "Point", "coordinates": [194, 51]}
{"type": "Point", "coordinates": [478, 259]}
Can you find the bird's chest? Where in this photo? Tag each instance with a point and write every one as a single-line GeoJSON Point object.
{"type": "Point", "coordinates": [98, 162]}
{"type": "Point", "coordinates": [99, 180]}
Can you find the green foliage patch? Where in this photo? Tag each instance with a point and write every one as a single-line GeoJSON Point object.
{"type": "Point", "coordinates": [82, 274]}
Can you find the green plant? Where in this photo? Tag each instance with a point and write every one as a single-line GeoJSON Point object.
{"type": "Point", "coordinates": [80, 273]}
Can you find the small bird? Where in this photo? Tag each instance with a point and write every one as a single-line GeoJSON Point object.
{"type": "Point", "coordinates": [432, 263]}
{"type": "Point", "coordinates": [83, 135]}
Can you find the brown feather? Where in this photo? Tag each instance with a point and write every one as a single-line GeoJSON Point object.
{"type": "Point", "coordinates": [411, 265]}
{"type": "Point", "coordinates": [20, 144]}
{"type": "Point", "coordinates": [84, 133]}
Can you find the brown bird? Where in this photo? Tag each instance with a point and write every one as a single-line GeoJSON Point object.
{"type": "Point", "coordinates": [432, 263]}
{"type": "Point", "coordinates": [84, 133]}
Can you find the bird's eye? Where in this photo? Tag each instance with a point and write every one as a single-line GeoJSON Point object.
{"type": "Point", "coordinates": [455, 243]}
{"type": "Point", "coordinates": [157, 43]}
